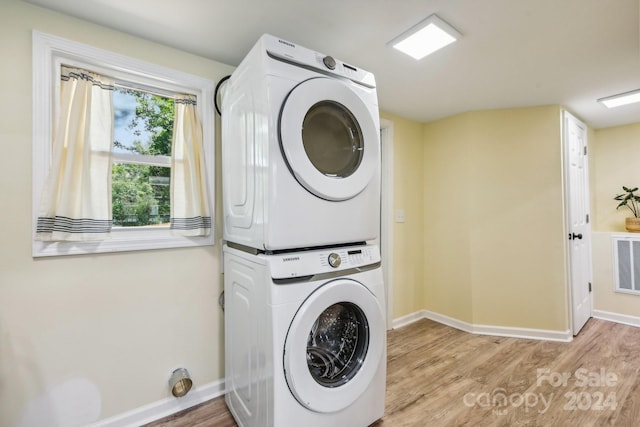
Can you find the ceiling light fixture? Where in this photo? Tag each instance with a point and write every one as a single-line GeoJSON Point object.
{"type": "Point", "coordinates": [621, 99]}
{"type": "Point", "coordinates": [425, 37]}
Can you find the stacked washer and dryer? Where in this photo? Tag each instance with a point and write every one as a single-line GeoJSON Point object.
{"type": "Point", "coordinates": [305, 334]}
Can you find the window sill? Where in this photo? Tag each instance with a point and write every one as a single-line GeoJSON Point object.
{"type": "Point", "coordinates": [122, 240]}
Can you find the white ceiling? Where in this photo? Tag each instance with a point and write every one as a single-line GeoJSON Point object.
{"type": "Point", "coordinates": [514, 53]}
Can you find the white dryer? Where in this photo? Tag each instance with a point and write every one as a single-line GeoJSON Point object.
{"type": "Point", "coordinates": [305, 337]}
{"type": "Point", "coordinates": [300, 150]}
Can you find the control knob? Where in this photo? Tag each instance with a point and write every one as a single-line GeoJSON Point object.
{"type": "Point", "coordinates": [334, 260]}
{"type": "Point", "coordinates": [329, 62]}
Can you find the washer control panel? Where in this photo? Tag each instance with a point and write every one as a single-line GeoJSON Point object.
{"type": "Point", "coordinates": [308, 263]}
{"type": "Point", "coordinates": [351, 257]}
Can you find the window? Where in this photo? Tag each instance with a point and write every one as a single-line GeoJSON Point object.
{"type": "Point", "coordinates": [141, 172]}
{"type": "Point", "coordinates": [141, 153]}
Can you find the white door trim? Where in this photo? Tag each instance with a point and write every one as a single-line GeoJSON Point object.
{"type": "Point", "coordinates": [386, 212]}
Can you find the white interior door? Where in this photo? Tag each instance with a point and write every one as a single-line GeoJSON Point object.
{"type": "Point", "coordinates": [578, 227]}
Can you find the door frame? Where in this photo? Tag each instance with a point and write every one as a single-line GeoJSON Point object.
{"type": "Point", "coordinates": [564, 115]}
{"type": "Point", "coordinates": [386, 212]}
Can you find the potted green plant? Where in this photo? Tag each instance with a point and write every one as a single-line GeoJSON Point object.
{"type": "Point", "coordinates": [632, 202]}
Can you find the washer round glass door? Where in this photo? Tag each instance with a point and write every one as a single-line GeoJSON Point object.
{"type": "Point", "coordinates": [329, 139]}
{"type": "Point", "coordinates": [334, 345]}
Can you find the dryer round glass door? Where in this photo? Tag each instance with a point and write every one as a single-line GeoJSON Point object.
{"type": "Point", "coordinates": [334, 346]}
{"type": "Point", "coordinates": [329, 138]}
{"type": "Point", "coordinates": [332, 139]}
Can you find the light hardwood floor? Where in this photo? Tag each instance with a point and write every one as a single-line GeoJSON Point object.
{"type": "Point", "coordinates": [440, 376]}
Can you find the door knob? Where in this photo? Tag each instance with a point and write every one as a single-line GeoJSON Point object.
{"type": "Point", "coordinates": [575, 236]}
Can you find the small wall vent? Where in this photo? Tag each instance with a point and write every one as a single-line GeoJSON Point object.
{"type": "Point", "coordinates": [626, 264]}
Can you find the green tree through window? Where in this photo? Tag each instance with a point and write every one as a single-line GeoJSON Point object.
{"type": "Point", "coordinates": [142, 158]}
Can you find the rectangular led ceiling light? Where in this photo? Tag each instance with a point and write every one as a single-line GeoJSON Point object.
{"type": "Point", "coordinates": [621, 99]}
{"type": "Point", "coordinates": [426, 37]}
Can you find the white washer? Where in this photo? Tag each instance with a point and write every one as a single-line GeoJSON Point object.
{"type": "Point", "coordinates": [300, 150]}
{"type": "Point", "coordinates": [305, 337]}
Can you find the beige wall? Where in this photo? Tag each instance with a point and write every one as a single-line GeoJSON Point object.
{"type": "Point", "coordinates": [97, 331]}
{"type": "Point", "coordinates": [408, 279]}
{"type": "Point", "coordinates": [494, 247]}
{"type": "Point", "coordinates": [447, 198]}
{"type": "Point", "coordinates": [493, 237]}
{"type": "Point", "coordinates": [612, 166]}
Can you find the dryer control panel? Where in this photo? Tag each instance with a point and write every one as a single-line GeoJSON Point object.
{"type": "Point", "coordinates": [301, 56]}
{"type": "Point", "coordinates": [309, 263]}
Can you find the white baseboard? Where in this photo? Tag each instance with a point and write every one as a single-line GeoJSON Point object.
{"type": "Point", "coordinates": [625, 319]}
{"type": "Point", "coordinates": [501, 331]}
{"type": "Point", "coordinates": [163, 408]}
{"type": "Point", "coordinates": [449, 321]}
{"type": "Point", "coordinates": [527, 333]}
{"type": "Point", "coordinates": [407, 319]}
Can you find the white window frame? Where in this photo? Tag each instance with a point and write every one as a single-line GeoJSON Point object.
{"type": "Point", "coordinates": [49, 53]}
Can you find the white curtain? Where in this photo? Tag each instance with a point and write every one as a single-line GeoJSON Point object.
{"type": "Point", "coordinates": [190, 212]}
{"type": "Point", "coordinates": [76, 202]}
